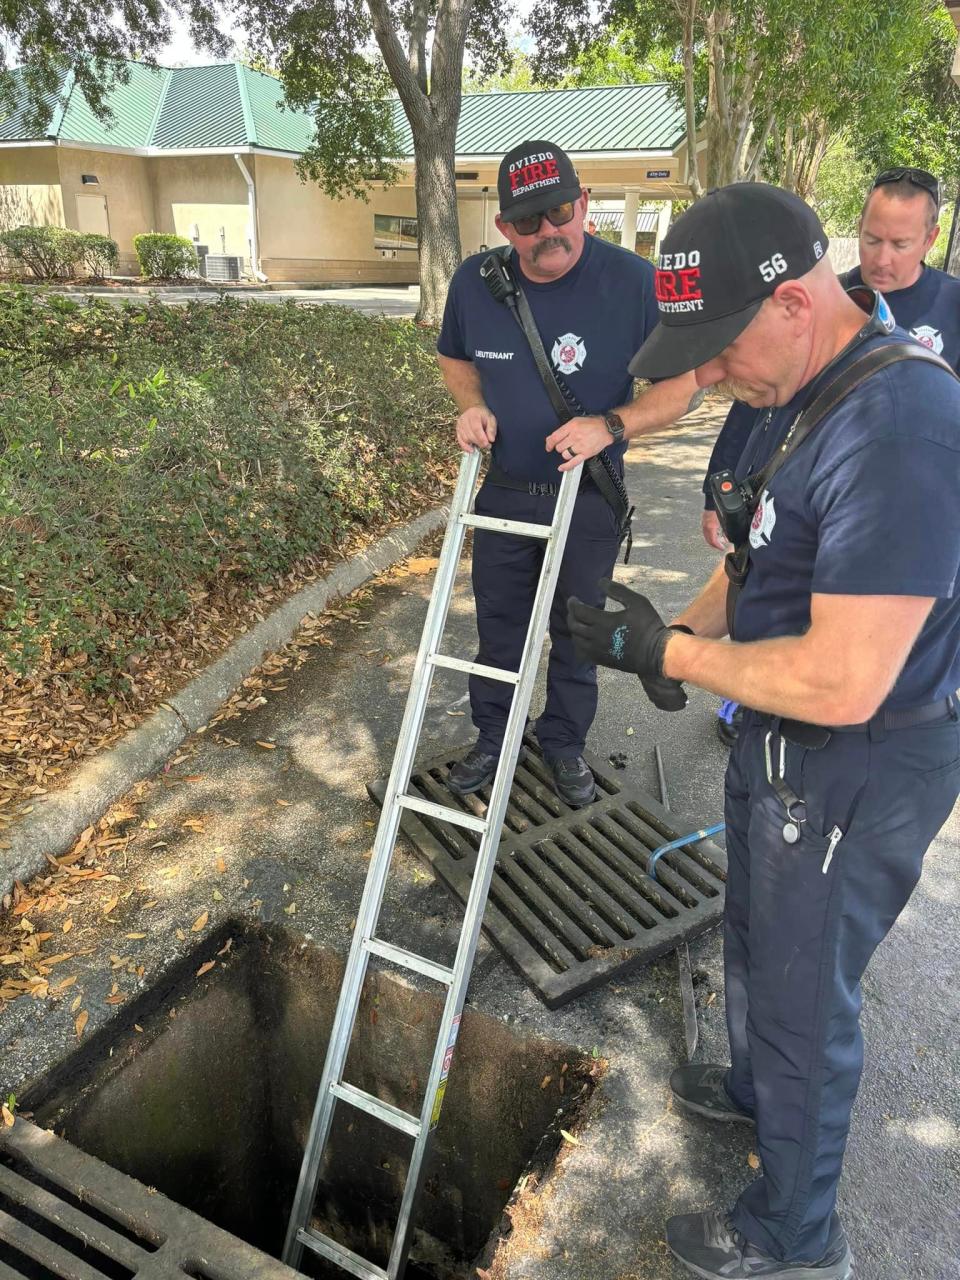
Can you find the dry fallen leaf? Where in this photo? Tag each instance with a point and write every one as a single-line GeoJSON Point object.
{"type": "Point", "coordinates": [267, 746]}
{"type": "Point", "coordinates": [568, 1137]}
{"type": "Point", "coordinates": [67, 926]}
{"type": "Point", "coordinates": [221, 865]}
{"type": "Point", "coordinates": [753, 1160]}
{"type": "Point", "coordinates": [545, 1081]}
{"type": "Point", "coordinates": [7, 1115]}
{"type": "Point", "coordinates": [291, 910]}
{"type": "Point", "coordinates": [136, 936]}
{"type": "Point", "coordinates": [81, 1022]}
{"type": "Point", "coordinates": [200, 922]}
{"type": "Point", "coordinates": [217, 895]}
{"type": "Point", "coordinates": [76, 1004]}
{"type": "Point", "coordinates": [226, 947]}
{"type": "Point", "coordinates": [109, 906]}
{"type": "Point", "coordinates": [205, 967]}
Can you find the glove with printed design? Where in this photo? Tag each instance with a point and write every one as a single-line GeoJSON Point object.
{"type": "Point", "coordinates": [628, 639]}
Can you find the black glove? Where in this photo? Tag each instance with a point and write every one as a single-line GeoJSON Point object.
{"type": "Point", "coordinates": [631, 639]}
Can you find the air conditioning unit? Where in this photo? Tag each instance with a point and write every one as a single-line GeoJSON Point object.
{"type": "Point", "coordinates": [222, 266]}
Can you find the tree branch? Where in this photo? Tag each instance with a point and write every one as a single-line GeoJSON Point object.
{"type": "Point", "coordinates": [412, 96]}
{"type": "Point", "coordinates": [417, 44]}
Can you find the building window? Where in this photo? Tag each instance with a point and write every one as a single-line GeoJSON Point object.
{"type": "Point", "coordinates": [392, 232]}
{"type": "Point", "coordinates": [89, 180]}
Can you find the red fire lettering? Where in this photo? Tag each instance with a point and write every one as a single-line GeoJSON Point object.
{"type": "Point", "coordinates": [666, 286]}
{"type": "Point", "coordinates": [550, 169]}
{"type": "Point", "coordinates": [688, 283]}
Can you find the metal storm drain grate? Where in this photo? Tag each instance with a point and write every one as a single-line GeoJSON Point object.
{"type": "Point", "coordinates": [64, 1214]}
{"type": "Point", "coordinates": [571, 903]}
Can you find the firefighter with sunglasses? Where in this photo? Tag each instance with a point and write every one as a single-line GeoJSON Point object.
{"type": "Point", "coordinates": [593, 304]}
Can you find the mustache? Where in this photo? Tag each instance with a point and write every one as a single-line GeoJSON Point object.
{"type": "Point", "coordinates": [551, 242]}
{"type": "Point", "coordinates": [732, 389]}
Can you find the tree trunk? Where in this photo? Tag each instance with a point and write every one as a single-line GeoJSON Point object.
{"type": "Point", "coordinates": [689, 15]}
{"type": "Point", "coordinates": [438, 224]}
{"type": "Point", "coordinates": [433, 112]}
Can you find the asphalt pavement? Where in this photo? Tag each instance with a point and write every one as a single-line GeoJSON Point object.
{"type": "Point", "coordinates": [285, 796]}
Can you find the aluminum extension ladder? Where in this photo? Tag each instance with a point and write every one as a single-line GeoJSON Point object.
{"type": "Point", "coordinates": [333, 1088]}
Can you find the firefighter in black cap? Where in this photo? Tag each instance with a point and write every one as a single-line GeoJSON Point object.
{"type": "Point", "coordinates": [843, 608]}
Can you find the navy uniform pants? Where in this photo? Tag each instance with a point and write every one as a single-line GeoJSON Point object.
{"type": "Point", "coordinates": [799, 931]}
{"type": "Point", "coordinates": [505, 574]}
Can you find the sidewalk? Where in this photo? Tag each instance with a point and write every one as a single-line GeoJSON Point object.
{"type": "Point", "coordinates": [269, 811]}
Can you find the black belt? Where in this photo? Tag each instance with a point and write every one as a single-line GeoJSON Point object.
{"type": "Point", "coordinates": [536, 488]}
{"type": "Point", "coordinates": [888, 719]}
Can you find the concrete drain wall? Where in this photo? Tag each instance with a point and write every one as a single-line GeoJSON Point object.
{"type": "Point", "coordinates": [211, 1103]}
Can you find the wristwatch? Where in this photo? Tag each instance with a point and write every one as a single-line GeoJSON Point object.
{"type": "Point", "coordinates": [615, 425]}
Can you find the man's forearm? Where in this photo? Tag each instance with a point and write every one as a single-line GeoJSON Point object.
{"type": "Point", "coordinates": [462, 381]}
{"type": "Point", "coordinates": [707, 614]}
{"type": "Point", "coordinates": [660, 405]}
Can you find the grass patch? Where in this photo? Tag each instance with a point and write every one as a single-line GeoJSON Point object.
{"type": "Point", "coordinates": [158, 461]}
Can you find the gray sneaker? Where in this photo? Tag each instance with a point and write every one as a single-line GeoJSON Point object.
{"type": "Point", "coordinates": [709, 1245]}
{"type": "Point", "coordinates": [702, 1089]}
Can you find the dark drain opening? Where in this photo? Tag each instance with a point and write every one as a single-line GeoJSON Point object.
{"type": "Point", "coordinates": [211, 1103]}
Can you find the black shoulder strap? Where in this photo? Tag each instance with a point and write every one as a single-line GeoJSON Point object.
{"type": "Point", "coordinates": [837, 390]}
{"type": "Point", "coordinates": [737, 562]}
{"type": "Point", "coordinates": [500, 279]}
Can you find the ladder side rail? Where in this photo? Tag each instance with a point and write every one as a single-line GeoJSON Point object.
{"type": "Point", "coordinates": [386, 836]}
{"type": "Point", "coordinates": [487, 855]}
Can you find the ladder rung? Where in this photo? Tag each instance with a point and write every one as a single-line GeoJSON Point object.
{"type": "Point", "coordinates": [409, 960]}
{"type": "Point", "coordinates": [443, 812]}
{"type": "Point", "coordinates": [384, 1111]}
{"type": "Point", "coordinates": [496, 525]}
{"type": "Point", "coordinates": [345, 1258]}
{"type": "Point", "coordinates": [474, 668]}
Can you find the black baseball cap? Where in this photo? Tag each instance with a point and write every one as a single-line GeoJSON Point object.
{"type": "Point", "coordinates": [533, 177]}
{"type": "Point", "coordinates": [717, 263]}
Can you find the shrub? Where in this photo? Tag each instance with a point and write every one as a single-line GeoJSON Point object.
{"type": "Point", "coordinates": [167, 256]}
{"type": "Point", "coordinates": [152, 457]}
{"type": "Point", "coordinates": [98, 253]}
{"type": "Point", "coordinates": [49, 252]}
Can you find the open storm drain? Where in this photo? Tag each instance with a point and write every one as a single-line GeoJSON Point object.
{"type": "Point", "coordinates": [571, 902]}
{"type": "Point", "coordinates": [202, 1090]}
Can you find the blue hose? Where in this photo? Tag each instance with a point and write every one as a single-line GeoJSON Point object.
{"type": "Point", "coordinates": [678, 844]}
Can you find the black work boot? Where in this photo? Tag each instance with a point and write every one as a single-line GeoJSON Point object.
{"type": "Point", "coordinates": [702, 1089]}
{"type": "Point", "coordinates": [709, 1245]}
{"type": "Point", "coordinates": [472, 772]}
{"type": "Point", "coordinates": [572, 780]}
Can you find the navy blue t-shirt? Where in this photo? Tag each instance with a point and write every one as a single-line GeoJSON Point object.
{"type": "Point", "coordinates": [593, 320]}
{"type": "Point", "coordinates": [930, 312]}
{"type": "Point", "coordinates": [867, 505]}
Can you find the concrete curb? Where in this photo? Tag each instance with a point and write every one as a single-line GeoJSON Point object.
{"type": "Point", "coordinates": [58, 819]}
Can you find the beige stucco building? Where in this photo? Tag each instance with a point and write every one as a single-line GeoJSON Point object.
{"type": "Point", "coordinates": [210, 153]}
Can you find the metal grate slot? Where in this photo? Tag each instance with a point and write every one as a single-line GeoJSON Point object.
{"type": "Point", "coordinates": [66, 1216]}
{"type": "Point", "coordinates": [571, 903]}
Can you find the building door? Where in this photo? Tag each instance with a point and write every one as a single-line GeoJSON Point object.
{"type": "Point", "coordinates": [92, 214]}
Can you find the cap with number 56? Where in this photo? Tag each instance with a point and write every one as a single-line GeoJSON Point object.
{"type": "Point", "coordinates": [717, 263]}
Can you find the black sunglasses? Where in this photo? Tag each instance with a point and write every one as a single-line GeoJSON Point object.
{"type": "Point", "coordinates": [916, 177]}
{"type": "Point", "coordinates": [557, 217]}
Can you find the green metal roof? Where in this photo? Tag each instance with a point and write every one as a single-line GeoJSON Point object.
{"type": "Point", "coordinates": [631, 117]}
{"type": "Point", "coordinates": [230, 105]}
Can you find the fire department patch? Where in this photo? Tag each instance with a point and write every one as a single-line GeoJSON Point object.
{"type": "Point", "coordinates": [569, 353]}
{"type": "Point", "coordinates": [764, 518]}
{"type": "Point", "coordinates": [929, 337]}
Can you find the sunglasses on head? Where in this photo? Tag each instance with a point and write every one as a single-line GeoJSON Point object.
{"type": "Point", "coordinates": [557, 217]}
{"type": "Point", "coordinates": [916, 177]}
